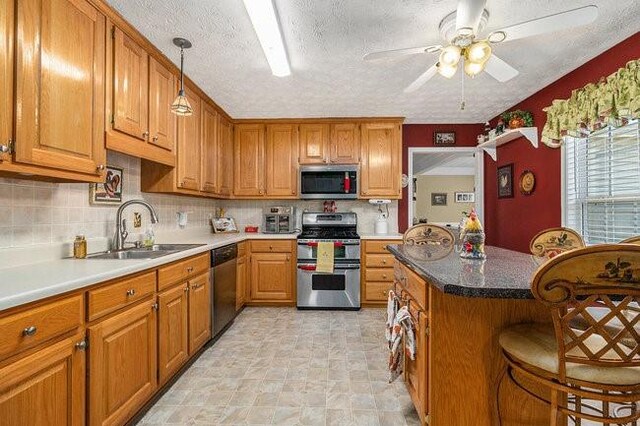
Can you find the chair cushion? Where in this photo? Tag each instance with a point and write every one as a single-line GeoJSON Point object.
{"type": "Point", "coordinates": [535, 344]}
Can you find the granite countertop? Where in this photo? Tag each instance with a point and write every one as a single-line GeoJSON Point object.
{"type": "Point", "coordinates": [504, 274]}
{"type": "Point", "coordinates": [36, 281]}
{"type": "Point", "coordinates": [372, 236]}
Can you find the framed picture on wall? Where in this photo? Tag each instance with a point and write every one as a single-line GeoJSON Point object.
{"type": "Point", "coordinates": [505, 181]}
{"type": "Point", "coordinates": [438, 198]}
{"type": "Point", "coordinates": [444, 138]}
{"type": "Point", "coordinates": [465, 197]}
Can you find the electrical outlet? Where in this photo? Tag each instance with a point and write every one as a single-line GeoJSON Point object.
{"type": "Point", "coordinates": [137, 220]}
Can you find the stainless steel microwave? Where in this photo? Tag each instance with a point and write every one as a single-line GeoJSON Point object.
{"type": "Point", "coordinates": [329, 182]}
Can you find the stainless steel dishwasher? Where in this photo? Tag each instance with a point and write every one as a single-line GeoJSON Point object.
{"type": "Point", "coordinates": [223, 277]}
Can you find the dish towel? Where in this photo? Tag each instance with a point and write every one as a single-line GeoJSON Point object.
{"type": "Point", "coordinates": [392, 309]}
{"type": "Point", "coordinates": [325, 257]}
{"type": "Point", "coordinates": [402, 331]}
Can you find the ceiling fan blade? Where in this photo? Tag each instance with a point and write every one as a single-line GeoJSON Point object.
{"type": "Point", "coordinates": [499, 69]}
{"type": "Point", "coordinates": [420, 81]}
{"type": "Point", "coordinates": [548, 24]}
{"type": "Point", "coordinates": [468, 14]}
{"type": "Point", "coordinates": [397, 53]}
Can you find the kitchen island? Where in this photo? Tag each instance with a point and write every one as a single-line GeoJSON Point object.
{"type": "Point", "coordinates": [459, 307]}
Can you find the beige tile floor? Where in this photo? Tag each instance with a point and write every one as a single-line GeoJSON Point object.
{"type": "Point", "coordinates": [287, 367]}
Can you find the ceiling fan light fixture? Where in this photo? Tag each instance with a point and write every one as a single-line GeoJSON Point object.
{"type": "Point", "coordinates": [479, 51]}
{"type": "Point", "coordinates": [450, 56]}
{"type": "Point", "coordinates": [472, 68]}
{"type": "Point", "coordinates": [447, 71]}
{"type": "Point", "coordinates": [497, 37]}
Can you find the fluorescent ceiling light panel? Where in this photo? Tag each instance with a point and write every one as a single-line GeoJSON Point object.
{"type": "Point", "coordinates": [265, 22]}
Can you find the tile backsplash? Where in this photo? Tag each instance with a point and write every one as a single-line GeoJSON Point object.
{"type": "Point", "coordinates": [40, 213]}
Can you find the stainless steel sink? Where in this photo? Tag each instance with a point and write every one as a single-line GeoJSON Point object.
{"type": "Point", "coordinates": [157, 250]}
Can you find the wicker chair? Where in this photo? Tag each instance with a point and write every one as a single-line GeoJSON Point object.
{"type": "Point", "coordinates": [590, 365]}
{"type": "Point", "coordinates": [428, 234]}
{"type": "Point", "coordinates": [551, 242]}
{"type": "Point", "coordinates": [632, 240]}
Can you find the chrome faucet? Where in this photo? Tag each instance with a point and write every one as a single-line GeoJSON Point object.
{"type": "Point", "coordinates": [121, 224]}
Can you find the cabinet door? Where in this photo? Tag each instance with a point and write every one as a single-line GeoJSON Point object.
{"type": "Point", "coordinates": [380, 167]}
{"type": "Point", "coordinates": [271, 276]}
{"type": "Point", "coordinates": [173, 328]}
{"type": "Point", "coordinates": [189, 150]}
{"type": "Point", "coordinates": [282, 163]}
{"type": "Point", "coordinates": [249, 160]}
{"type": "Point", "coordinates": [6, 76]}
{"type": "Point", "coordinates": [122, 364]}
{"type": "Point", "coordinates": [314, 143]}
{"type": "Point", "coordinates": [209, 148]}
{"type": "Point", "coordinates": [162, 90]}
{"type": "Point", "coordinates": [241, 281]}
{"type": "Point", "coordinates": [416, 372]}
{"type": "Point", "coordinates": [224, 158]}
{"type": "Point", "coordinates": [60, 67]}
{"type": "Point", "coordinates": [45, 388]}
{"type": "Point", "coordinates": [345, 143]}
{"type": "Point", "coordinates": [200, 310]}
{"type": "Point", "coordinates": [130, 86]}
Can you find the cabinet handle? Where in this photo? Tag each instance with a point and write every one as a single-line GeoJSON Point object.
{"type": "Point", "coordinates": [189, 269]}
{"type": "Point", "coordinates": [155, 306]}
{"type": "Point", "coordinates": [155, 138]}
{"type": "Point", "coordinates": [384, 261]}
{"type": "Point", "coordinates": [186, 289]}
{"type": "Point", "coordinates": [29, 331]}
{"type": "Point", "coordinates": [81, 345]}
{"type": "Point", "coordinates": [131, 292]}
{"type": "Point", "coordinates": [145, 134]}
{"type": "Point", "coordinates": [270, 247]}
{"type": "Point", "coordinates": [288, 258]}
{"type": "Point", "coordinates": [384, 276]}
{"type": "Point", "coordinates": [181, 184]}
{"type": "Point", "coordinates": [100, 167]}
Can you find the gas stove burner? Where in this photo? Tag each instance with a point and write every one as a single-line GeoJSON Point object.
{"type": "Point", "coordinates": [329, 234]}
{"type": "Point", "coordinates": [329, 226]}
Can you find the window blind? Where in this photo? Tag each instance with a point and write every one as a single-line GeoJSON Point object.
{"type": "Point", "coordinates": [602, 184]}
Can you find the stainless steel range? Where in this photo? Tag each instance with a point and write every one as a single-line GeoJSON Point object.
{"type": "Point", "coordinates": [341, 289]}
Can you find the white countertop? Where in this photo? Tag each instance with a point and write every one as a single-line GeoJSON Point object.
{"type": "Point", "coordinates": [392, 236]}
{"type": "Point", "coordinates": [36, 281]}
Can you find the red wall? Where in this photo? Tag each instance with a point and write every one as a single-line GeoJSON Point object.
{"type": "Point", "coordinates": [421, 135]}
{"type": "Point", "coordinates": [511, 223]}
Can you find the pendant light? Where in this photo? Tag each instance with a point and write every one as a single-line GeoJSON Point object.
{"type": "Point", "coordinates": [181, 105]}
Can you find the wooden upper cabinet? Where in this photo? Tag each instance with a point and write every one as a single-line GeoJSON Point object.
{"type": "Point", "coordinates": [224, 157]}
{"type": "Point", "coordinates": [249, 160]}
{"type": "Point", "coordinates": [130, 86]}
{"type": "Point", "coordinates": [6, 76]}
{"type": "Point", "coordinates": [45, 388]}
{"type": "Point", "coordinates": [162, 90]}
{"type": "Point", "coordinates": [282, 162]}
{"type": "Point", "coordinates": [314, 144]}
{"type": "Point", "coordinates": [380, 166]}
{"type": "Point", "coordinates": [209, 149]}
{"type": "Point", "coordinates": [345, 143]}
{"type": "Point", "coordinates": [122, 365]}
{"type": "Point", "coordinates": [189, 149]}
{"type": "Point", "coordinates": [60, 68]}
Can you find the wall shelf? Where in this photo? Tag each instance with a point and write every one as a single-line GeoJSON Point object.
{"type": "Point", "coordinates": [490, 146]}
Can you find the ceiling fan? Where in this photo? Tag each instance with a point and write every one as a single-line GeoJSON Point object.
{"type": "Point", "coordinates": [465, 47]}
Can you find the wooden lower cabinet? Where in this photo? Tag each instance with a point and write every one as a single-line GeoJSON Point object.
{"type": "Point", "coordinates": [376, 271]}
{"type": "Point", "coordinates": [416, 372]}
{"type": "Point", "coordinates": [122, 364]}
{"type": "Point", "coordinates": [46, 387]}
{"type": "Point", "coordinates": [173, 329]}
{"type": "Point", "coordinates": [272, 272]}
{"type": "Point", "coordinates": [199, 311]}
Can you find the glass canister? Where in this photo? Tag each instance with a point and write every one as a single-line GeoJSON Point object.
{"type": "Point", "coordinates": [80, 247]}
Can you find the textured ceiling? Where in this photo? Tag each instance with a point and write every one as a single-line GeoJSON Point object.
{"type": "Point", "coordinates": [326, 39]}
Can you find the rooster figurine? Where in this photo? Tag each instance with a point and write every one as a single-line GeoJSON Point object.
{"type": "Point", "coordinates": [472, 238]}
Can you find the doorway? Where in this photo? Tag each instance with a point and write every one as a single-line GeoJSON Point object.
{"type": "Point", "coordinates": [444, 183]}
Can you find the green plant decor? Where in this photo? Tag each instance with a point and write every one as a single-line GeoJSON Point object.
{"type": "Point", "coordinates": [524, 115]}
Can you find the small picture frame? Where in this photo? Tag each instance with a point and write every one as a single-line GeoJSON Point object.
{"type": "Point", "coordinates": [109, 191]}
{"type": "Point", "coordinates": [438, 198]}
{"type": "Point", "coordinates": [505, 181]}
{"type": "Point", "coordinates": [224, 225]}
{"type": "Point", "coordinates": [444, 138]}
{"type": "Point", "coordinates": [465, 197]}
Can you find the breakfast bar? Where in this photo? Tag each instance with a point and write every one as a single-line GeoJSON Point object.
{"type": "Point", "coordinates": [462, 305]}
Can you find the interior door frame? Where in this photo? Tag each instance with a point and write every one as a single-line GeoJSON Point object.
{"type": "Point", "coordinates": [479, 177]}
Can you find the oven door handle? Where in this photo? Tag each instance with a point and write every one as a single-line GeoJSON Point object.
{"type": "Point", "coordinates": [335, 244]}
{"type": "Point", "coordinates": [336, 266]}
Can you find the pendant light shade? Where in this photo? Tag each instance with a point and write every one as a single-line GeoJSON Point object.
{"type": "Point", "coordinates": [181, 105]}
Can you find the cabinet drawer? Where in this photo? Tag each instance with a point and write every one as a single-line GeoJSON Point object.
{"type": "Point", "coordinates": [183, 269]}
{"type": "Point", "coordinates": [376, 291]}
{"type": "Point", "coordinates": [26, 329]}
{"type": "Point", "coordinates": [112, 297]}
{"type": "Point", "coordinates": [379, 246]}
{"type": "Point", "coordinates": [271, 246]}
{"type": "Point", "coordinates": [412, 283]}
{"type": "Point", "coordinates": [379, 260]}
{"type": "Point", "coordinates": [381, 274]}
{"type": "Point", "coordinates": [242, 249]}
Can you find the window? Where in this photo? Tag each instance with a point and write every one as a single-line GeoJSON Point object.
{"type": "Point", "coordinates": [602, 184]}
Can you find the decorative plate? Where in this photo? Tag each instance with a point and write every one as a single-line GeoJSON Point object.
{"type": "Point", "coordinates": [527, 182]}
